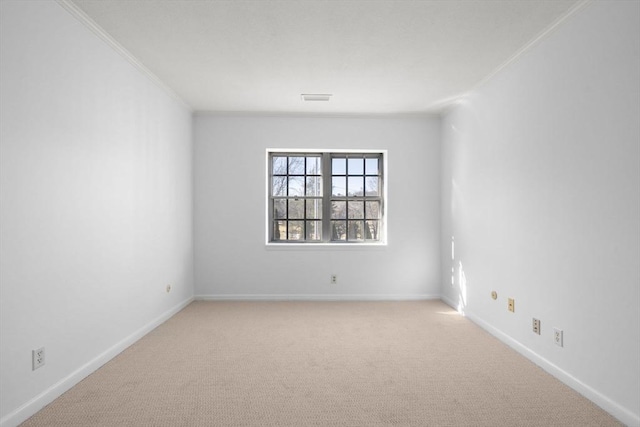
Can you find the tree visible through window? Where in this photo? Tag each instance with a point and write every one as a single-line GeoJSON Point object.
{"type": "Point", "coordinates": [325, 197]}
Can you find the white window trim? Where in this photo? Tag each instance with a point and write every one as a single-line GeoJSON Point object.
{"type": "Point", "coordinates": [381, 244]}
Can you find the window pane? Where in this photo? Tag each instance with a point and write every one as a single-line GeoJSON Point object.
{"type": "Point", "coordinates": [314, 208]}
{"type": "Point", "coordinates": [279, 186]}
{"type": "Point", "coordinates": [338, 186]}
{"type": "Point", "coordinates": [356, 166]}
{"type": "Point", "coordinates": [356, 230]}
{"type": "Point", "coordinates": [372, 209]}
{"type": "Point", "coordinates": [279, 166]}
{"type": "Point", "coordinates": [296, 208]}
{"type": "Point", "coordinates": [279, 230]}
{"type": "Point", "coordinates": [338, 209]}
{"type": "Point", "coordinates": [371, 230]}
{"type": "Point", "coordinates": [314, 230]}
{"type": "Point", "coordinates": [296, 230]}
{"type": "Point", "coordinates": [338, 166]}
{"type": "Point", "coordinates": [296, 165]}
{"type": "Point", "coordinates": [296, 186]}
{"type": "Point", "coordinates": [280, 208]}
{"type": "Point", "coordinates": [314, 166]}
{"type": "Point", "coordinates": [372, 186]}
{"type": "Point", "coordinates": [338, 230]}
{"type": "Point", "coordinates": [314, 186]}
{"type": "Point", "coordinates": [356, 210]}
{"type": "Point", "coordinates": [371, 166]}
{"type": "Point", "coordinates": [356, 187]}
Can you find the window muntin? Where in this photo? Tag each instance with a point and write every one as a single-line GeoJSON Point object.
{"type": "Point", "coordinates": [325, 197]}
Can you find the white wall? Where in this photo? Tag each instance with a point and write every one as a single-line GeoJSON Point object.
{"type": "Point", "coordinates": [95, 204]}
{"type": "Point", "coordinates": [232, 260]}
{"type": "Point", "coordinates": [541, 192]}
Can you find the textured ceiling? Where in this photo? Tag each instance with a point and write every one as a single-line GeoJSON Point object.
{"type": "Point", "coordinates": [373, 56]}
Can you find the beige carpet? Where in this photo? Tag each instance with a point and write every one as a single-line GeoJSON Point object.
{"type": "Point", "coordinates": [320, 364]}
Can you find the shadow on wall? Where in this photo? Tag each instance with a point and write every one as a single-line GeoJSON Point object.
{"type": "Point", "coordinates": [459, 137]}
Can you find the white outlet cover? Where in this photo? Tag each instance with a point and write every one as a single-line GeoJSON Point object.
{"type": "Point", "coordinates": [558, 337]}
{"type": "Point", "coordinates": [37, 358]}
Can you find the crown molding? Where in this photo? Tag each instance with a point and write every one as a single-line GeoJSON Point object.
{"type": "Point", "coordinates": [89, 23]}
{"type": "Point", "coordinates": [316, 115]}
{"type": "Point", "coordinates": [545, 33]}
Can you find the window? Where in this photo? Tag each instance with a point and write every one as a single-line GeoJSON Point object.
{"type": "Point", "coordinates": [321, 197]}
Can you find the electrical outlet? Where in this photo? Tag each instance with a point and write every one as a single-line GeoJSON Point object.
{"type": "Point", "coordinates": [536, 326]}
{"type": "Point", "coordinates": [37, 358]}
{"type": "Point", "coordinates": [558, 337]}
{"type": "Point", "coordinates": [334, 279]}
{"type": "Point", "coordinates": [512, 305]}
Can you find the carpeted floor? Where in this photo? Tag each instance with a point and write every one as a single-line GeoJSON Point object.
{"type": "Point", "coordinates": [320, 364]}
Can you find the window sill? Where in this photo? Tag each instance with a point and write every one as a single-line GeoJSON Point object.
{"type": "Point", "coordinates": [326, 246]}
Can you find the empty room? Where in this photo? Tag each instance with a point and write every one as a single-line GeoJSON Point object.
{"type": "Point", "coordinates": [319, 213]}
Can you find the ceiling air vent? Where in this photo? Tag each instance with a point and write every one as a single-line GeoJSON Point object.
{"type": "Point", "coordinates": [316, 96]}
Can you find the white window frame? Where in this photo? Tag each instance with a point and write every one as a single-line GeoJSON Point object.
{"type": "Point", "coordinates": [327, 197]}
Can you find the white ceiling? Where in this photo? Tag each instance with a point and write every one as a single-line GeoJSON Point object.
{"type": "Point", "coordinates": [375, 57]}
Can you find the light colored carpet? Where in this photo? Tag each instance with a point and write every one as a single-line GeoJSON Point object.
{"type": "Point", "coordinates": [320, 364]}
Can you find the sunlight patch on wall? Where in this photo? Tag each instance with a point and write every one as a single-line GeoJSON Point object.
{"type": "Point", "coordinates": [462, 294]}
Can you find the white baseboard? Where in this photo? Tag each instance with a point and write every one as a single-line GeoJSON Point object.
{"type": "Point", "coordinates": [315, 297]}
{"type": "Point", "coordinates": [622, 414]}
{"type": "Point", "coordinates": [43, 399]}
